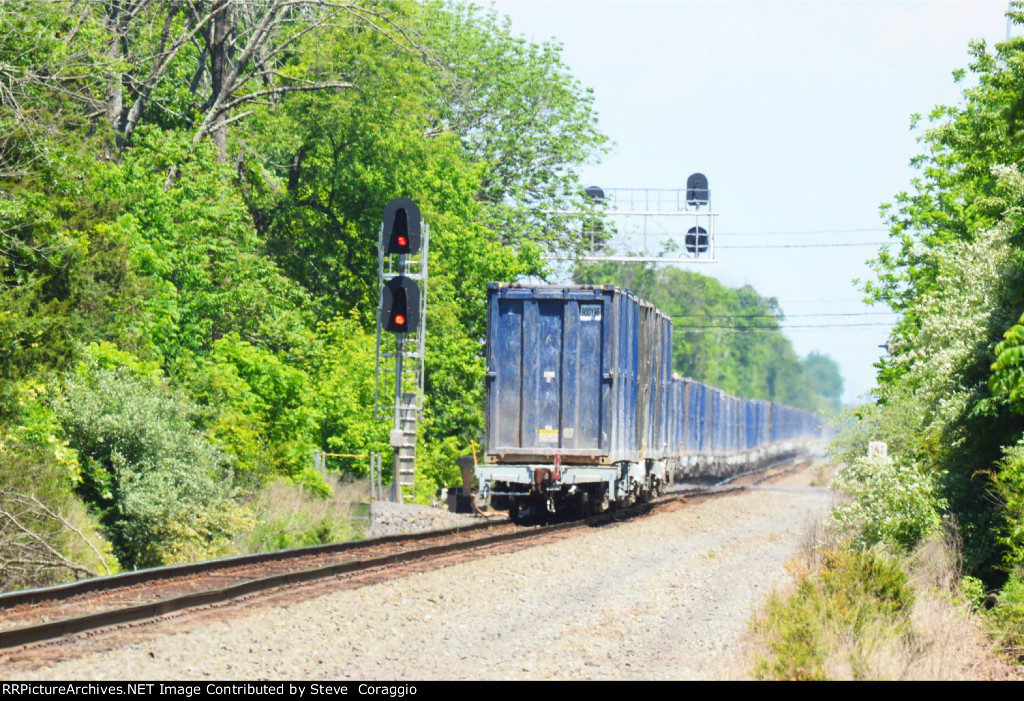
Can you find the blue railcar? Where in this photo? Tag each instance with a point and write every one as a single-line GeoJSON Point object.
{"type": "Point", "coordinates": [579, 372]}
{"type": "Point", "coordinates": [583, 410]}
{"type": "Point", "coordinates": [749, 425]}
{"type": "Point", "coordinates": [578, 395]}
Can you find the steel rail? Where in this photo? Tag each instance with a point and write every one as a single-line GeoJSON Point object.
{"type": "Point", "coordinates": [56, 629]}
{"type": "Point", "coordinates": [59, 628]}
{"type": "Point", "coordinates": [126, 579]}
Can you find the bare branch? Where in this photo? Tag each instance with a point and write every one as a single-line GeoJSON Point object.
{"type": "Point", "coordinates": [282, 89]}
{"type": "Point", "coordinates": [29, 533]}
{"type": "Point", "coordinates": [67, 524]}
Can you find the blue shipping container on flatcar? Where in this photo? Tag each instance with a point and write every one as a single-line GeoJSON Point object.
{"type": "Point", "coordinates": [583, 372]}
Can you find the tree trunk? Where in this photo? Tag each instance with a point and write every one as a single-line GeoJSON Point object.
{"type": "Point", "coordinates": [115, 89]}
{"type": "Point", "coordinates": [222, 27]}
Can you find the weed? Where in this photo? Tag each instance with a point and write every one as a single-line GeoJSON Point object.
{"type": "Point", "coordinates": [1007, 616]}
{"type": "Point", "coordinates": [852, 602]}
{"type": "Point", "coordinates": [288, 516]}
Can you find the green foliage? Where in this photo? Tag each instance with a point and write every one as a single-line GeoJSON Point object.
{"type": "Point", "coordinates": [936, 398]}
{"type": "Point", "coordinates": [287, 516]}
{"type": "Point", "coordinates": [897, 422]}
{"type": "Point", "coordinates": [1007, 616]}
{"type": "Point", "coordinates": [839, 609]}
{"type": "Point", "coordinates": [958, 193]}
{"type": "Point", "coordinates": [146, 263]}
{"type": "Point", "coordinates": [973, 591]}
{"type": "Point", "coordinates": [158, 485]}
{"type": "Point", "coordinates": [436, 466]}
{"type": "Point", "coordinates": [889, 503]}
{"type": "Point", "coordinates": [342, 367]}
{"type": "Point", "coordinates": [265, 416]}
{"type": "Point", "coordinates": [519, 112]}
{"type": "Point", "coordinates": [1008, 485]}
{"type": "Point", "coordinates": [46, 536]}
{"type": "Point", "coordinates": [824, 378]}
{"type": "Point", "coordinates": [1007, 381]}
{"type": "Point", "coordinates": [198, 239]}
{"type": "Point", "coordinates": [793, 628]}
{"type": "Point", "coordinates": [950, 391]}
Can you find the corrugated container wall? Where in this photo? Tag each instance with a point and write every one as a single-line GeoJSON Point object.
{"type": "Point", "coordinates": [579, 371]}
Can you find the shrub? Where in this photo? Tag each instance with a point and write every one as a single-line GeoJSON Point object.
{"type": "Point", "coordinates": [972, 590]}
{"type": "Point", "coordinates": [889, 503]}
{"type": "Point", "coordinates": [837, 617]}
{"type": "Point", "coordinates": [793, 628]}
{"type": "Point", "coordinates": [1007, 616]}
{"type": "Point", "coordinates": [46, 536]}
{"type": "Point", "coordinates": [161, 489]}
{"type": "Point", "coordinates": [1008, 484]}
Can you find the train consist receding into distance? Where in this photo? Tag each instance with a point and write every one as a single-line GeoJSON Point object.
{"type": "Point", "coordinates": [584, 411]}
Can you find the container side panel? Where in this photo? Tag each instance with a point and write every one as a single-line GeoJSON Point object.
{"type": "Point", "coordinates": [569, 375]}
{"type": "Point", "coordinates": [665, 407]}
{"type": "Point", "coordinates": [645, 375]}
{"type": "Point", "coordinates": [583, 358]}
{"type": "Point", "coordinates": [631, 403]}
{"type": "Point", "coordinates": [507, 387]}
{"type": "Point", "coordinates": [706, 419]}
{"type": "Point", "coordinates": [542, 352]}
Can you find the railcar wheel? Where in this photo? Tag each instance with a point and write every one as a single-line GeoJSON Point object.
{"type": "Point", "coordinates": [513, 511]}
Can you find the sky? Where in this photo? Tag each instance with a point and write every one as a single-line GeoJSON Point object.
{"type": "Point", "coordinates": [799, 115]}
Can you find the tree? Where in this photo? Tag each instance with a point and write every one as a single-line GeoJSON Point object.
{"type": "Point", "coordinates": [158, 483]}
{"type": "Point", "coordinates": [190, 192]}
{"type": "Point", "coordinates": [519, 112]}
{"type": "Point", "coordinates": [825, 379]}
{"type": "Point", "coordinates": [956, 279]}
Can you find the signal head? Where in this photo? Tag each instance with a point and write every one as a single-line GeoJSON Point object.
{"type": "Point", "coordinates": [400, 305]}
{"type": "Point", "coordinates": [402, 227]}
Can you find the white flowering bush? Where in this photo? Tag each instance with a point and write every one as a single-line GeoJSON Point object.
{"type": "Point", "coordinates": [890, 502]}
{"type": "Point", "coordinates": [960, 323]}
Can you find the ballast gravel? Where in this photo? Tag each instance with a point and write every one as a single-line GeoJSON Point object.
{"type": "Point", "coordinates": [667, 596]}
{"type": "Point", "coordinates": [387, 518]}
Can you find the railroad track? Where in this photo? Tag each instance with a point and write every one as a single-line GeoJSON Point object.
{"type": "Point", "coordinates": [63, 611]}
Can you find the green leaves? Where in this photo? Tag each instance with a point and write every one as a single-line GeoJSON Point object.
{"type": "Point", "coordinates": [1007, 380]}
{"type": "Point", "coordinates": [264, 410]}
{"type": "Point", "coordinates": [951, 391]}
{"type": "Point", "coordinates": [219, 294]}
{"type": "Point", "coordinates": [158, 484]}
{"type": "Point", "coordinates": [519, 112]}
{"type": "Point", "coordinates": [893, 503]}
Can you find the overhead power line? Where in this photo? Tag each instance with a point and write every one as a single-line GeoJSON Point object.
{"type": "Point", "coordinates": [774, 316]}
{"type": "Point", "coordinates": [780, 327]}
{"type": "Point", "coordinates": [809, 245]}
{"type": "Point", "coordinates": [802, 233]}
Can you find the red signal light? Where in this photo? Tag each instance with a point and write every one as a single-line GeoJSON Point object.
{"type": "Point", "coordinates": [403, 241]}
{"type": "Point", "coordinates": [400, 305]}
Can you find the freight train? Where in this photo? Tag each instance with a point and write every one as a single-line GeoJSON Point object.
{"type": "Point", "coordinates": [584, 412]}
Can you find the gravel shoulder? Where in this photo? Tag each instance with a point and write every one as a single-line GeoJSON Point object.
{"type": "Point", "coordinates": [663, 597]}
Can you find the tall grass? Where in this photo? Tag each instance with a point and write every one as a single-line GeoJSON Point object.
{"type": "Point", "coordinates": [288, 516]}
{"type": "Point", "coordinates": [856, 613]}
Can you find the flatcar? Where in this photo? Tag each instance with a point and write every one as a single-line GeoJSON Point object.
{"type": "Point", "coordinates": [584, 412]}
